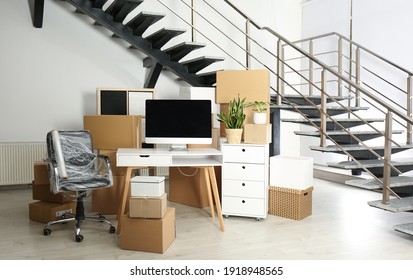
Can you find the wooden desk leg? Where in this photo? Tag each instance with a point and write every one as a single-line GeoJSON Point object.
{"type": "Point", "coordinates": [125, 195]}
{"type": "Point", "coordinates": [208, 186]}
{"type": "Point", "coordinates": [214, 188]}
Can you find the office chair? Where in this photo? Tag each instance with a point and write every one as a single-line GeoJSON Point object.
{"type": "Point", "coordinates": [74, 167]}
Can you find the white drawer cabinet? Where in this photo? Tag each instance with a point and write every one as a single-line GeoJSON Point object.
{"type": "Point", "coordinates": [245, 179]}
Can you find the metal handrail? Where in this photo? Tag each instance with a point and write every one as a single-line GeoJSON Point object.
{"type": "Point", "coordinates": [357, 45]}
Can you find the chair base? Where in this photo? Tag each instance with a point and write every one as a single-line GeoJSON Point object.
{"type": "Point", "coordinates": [78, 237]}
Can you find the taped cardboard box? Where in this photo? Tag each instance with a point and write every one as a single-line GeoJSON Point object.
{"type": "Point", "coordinates": [110, 132]}
{"type": "Point", "coordinates": [40, 173]}
{"type": "Point", "coordinates": [251, 84]}
{"type": "Point", "coordinates": [107, 200]}
{"type": "Point", "coordinates": [148, 235]}
{"type": "Point", "coordinates": [111, 154]}
{"type": "Point", "coordinates": [257, 133]}
{"type": "Point", "coordinates": [187, 186]}
{"type": "Point", "coordinates": [147, 207]}
{"type": "Point", "coordinates": [44, 212]}
{"type": "Point", "coordinates": [42, 192]}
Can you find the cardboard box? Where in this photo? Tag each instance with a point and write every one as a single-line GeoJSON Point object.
{"type": "Point", "coordinates": [215, 141]}
{"type": "Point", "coordinates": [147, 207]}
{"type": "Point", "coordinates": [147, 186]}
{"type": "Point", "coordinates": [148, 235]}
{"type": "Point", "coordinates": [290, 203]}
{"type": "Point", "coordinates": [107, 200]}
{"type": "Point", "coordinates": [257, 133]}
{"type": "Point", "coordinates": [187, 186]}
{"type": "Point", "coordinates": [42, 192]}
{"type": "Point", "coordinates": [44, 212]}
{"type": "Point", "coordinates": [110, 132]}
{"type": "Point", "coordinates": [254, 85]}
{"type": "Point", "coordinates": [116, 171]}
{"type": "Point", "coordinates": [40, 173]}
{"type": "Point", "coordinates": [282, 169]}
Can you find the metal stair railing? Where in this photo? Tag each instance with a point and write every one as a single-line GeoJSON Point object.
{"type": "Point", "coordinates": [327, 74]}
{"type": "Point", "coordinates": [342, 48]}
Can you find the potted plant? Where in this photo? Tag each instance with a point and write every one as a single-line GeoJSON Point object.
{"type": "Point", "coordinates": [259, 114]}
{"type": "Point", "coordinates": [234, 120]}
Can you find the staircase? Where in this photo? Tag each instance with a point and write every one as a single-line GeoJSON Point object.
{"type": "Point", "coordinates": [331, 102]}
{"type": "Point", "coordinates": [113, 15]}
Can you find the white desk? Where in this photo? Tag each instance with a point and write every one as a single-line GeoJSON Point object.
{"type": "Point", "coordinates": [205, 158]}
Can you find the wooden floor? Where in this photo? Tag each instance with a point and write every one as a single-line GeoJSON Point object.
{"type": "Point", "coordinates": [342, 227]}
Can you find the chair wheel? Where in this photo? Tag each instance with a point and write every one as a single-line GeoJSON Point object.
{"type": "Point", "coordinates": [112, 229]}
{"type": "Point", "coordinates": [47, 231]}
{"type": "Point", "coordinates": [79, 238]}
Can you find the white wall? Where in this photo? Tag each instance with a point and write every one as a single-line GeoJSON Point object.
{"type": "Point", "coordinates": [50, 75]}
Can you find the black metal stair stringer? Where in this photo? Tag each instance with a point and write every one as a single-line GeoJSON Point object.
{"type": "Point", "coordinates": [126, 33]}
{"type": "Point", "coordinates": [119, 9]}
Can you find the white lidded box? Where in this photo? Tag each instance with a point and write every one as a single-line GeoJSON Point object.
{"type": "Point", "coordinates": [293, 172]}
{"type": "Point", "coordinates": [147, 186]}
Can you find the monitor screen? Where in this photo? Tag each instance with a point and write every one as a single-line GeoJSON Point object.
{"type": "Point", "coordinates": [178, 121]}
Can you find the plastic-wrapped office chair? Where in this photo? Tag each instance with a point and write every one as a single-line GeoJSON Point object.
{"type": "Point", "coordinates": [74, 167]}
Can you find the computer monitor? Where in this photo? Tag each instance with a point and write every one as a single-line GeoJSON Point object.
{"type": "Point", "coordinates": [178, 122]}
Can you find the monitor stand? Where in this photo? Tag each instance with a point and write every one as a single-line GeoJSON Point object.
{"type": "Point", "coordinates": [178, 147]}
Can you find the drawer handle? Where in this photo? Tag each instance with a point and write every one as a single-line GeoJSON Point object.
{"type": "Point", "coordinates": [243, 150]}
{"type": "Point", "coordinates": [243, 184]}
{"type": "Point", "coordinates": [243, 167]}
{"type": "Point", "coordinates": [243, 201]}
{"type": "Point", "coordinates": [145, 156]}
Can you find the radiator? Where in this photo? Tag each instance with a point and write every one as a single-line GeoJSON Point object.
{"type": "Point", "coordinates": [17, 159]}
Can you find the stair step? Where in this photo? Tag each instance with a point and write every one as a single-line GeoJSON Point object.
{"type": "Point", "coordinates": [163, 36]}
{"type": "Point", "coordinates": [177, 52]}
{"type": "Point", "coordinates": [395, 205]}
{"type": "Point", "coordinates": [314, 112]}
{"type": "Point", "coordinates": [316, 99]}
{"type": "Point", "coordinates": [346, 123]}
{"type": "Point", "coordinates": [375, 166]}
{"type": "Point", "coordinates": [141, 22]}
{"type": "Point", "coordinates": [404, 228]}
{"type": "Point", "coordinates": [372, 184]}
{"type": "Point", "coordinates": [197, 64]}
{"type": "Point", "coordinates": [359, 151]}
{"type": "Point", "coordinates": [210, 78]}
{"type": "Point", "coordinates": [343, 137]}
{"type": "Point", "coordinates": [98, 3]}
{"type": "Point", "coordinates": [119, 9]}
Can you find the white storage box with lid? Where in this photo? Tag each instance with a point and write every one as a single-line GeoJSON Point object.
{"type": "Point", "coordinates": [147, 186]}
{"type": "Point", "coordinates": [293, 172]}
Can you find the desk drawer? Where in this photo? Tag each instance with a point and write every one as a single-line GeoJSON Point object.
{"type": "Point", "coordinates": [243, 188]}
{"type": "Point", "coordinates": [143, 160]}
{"type": "Point", "coordinates": [243, 153]}
{"type": "Point", "coordinates": [238, 171]}
{"type": "Point", "coordinates": [252, 207]}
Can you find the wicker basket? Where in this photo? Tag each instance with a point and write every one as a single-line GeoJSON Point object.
{"type": "Point", "coordinates": [290, 203]}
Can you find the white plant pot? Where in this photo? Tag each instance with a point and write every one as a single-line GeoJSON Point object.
{"type": "Point", "coordinates": [259, 118]}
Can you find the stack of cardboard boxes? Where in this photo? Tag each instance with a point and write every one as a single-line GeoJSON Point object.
{"type": "Point", "coordinates": [48, 206]}
{"type": "Point", "coordinates": [150, 224]}
{"type": "Point", "coordinates": [253, 85]}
